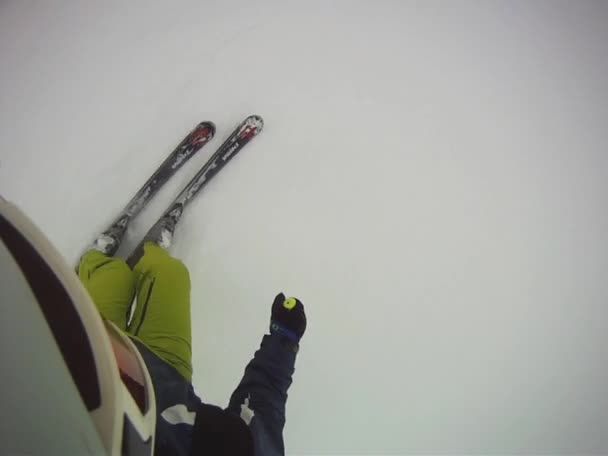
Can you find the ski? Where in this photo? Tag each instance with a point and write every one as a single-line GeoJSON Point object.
{"type": "Point", "coordinates": [162, 231]}
{"type": "Point", "coordinates": [109, 240]}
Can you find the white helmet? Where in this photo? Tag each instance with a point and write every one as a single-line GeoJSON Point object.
{"type": "Point", "coordinates": [72, 383]}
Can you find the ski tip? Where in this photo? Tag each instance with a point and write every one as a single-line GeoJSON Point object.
{"type": "Point", "coordinates": [210, 126]}
{"type": "Point", "coordinates": [255, 121]}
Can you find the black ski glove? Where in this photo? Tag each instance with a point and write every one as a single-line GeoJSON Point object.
{"type": "Point", "coordinates": [218, 432]}
{"type": "Point", "coordinates": [288, 319]}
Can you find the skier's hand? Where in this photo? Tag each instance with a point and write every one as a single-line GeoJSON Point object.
{"type": "Point", "coordinates": [288, 318]}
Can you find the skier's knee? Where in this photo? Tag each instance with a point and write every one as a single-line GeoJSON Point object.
{"type": "Point", "coordinates": [170, 268]}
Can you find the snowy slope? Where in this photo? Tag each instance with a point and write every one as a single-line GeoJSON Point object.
{"type": "Point", "coordinates": [432, 182]}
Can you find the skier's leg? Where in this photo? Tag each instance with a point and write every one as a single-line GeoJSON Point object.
{"type": "Point", "coordinates": [111, 284]}
{"type": "Point", "coordinates": [162, 315]}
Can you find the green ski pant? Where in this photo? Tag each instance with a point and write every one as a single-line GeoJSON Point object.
{"type": "Point", "coordinates": [162, 314]}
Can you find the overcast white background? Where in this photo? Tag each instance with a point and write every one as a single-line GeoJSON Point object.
{"type": "Point", "coordinates": [432, 182]}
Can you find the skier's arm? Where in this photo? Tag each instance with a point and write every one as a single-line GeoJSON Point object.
{"type": "Point", "coordinates": [262, 393]}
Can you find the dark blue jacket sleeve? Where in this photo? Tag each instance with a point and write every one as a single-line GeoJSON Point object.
{"type": "Point", "coordinates": [261, 396]}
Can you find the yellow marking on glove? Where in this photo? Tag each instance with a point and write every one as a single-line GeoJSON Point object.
{"type": "Point", "coordinates": [290, 303]}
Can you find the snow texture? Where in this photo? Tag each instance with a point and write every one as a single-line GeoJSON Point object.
{"type": "Point", "coordinates": [431, 181]}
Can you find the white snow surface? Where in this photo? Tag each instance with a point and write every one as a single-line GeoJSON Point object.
{"type": "Point", "coordinates": [431, 181]}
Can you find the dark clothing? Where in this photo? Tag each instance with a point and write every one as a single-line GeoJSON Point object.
{"type": "Point", "coordinates": [264, 386]}
{"type": "Point", "coordinates": [259, 399]}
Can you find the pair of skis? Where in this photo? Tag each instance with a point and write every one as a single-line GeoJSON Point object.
{"type": "Point", "coordinates": [162, 231]}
